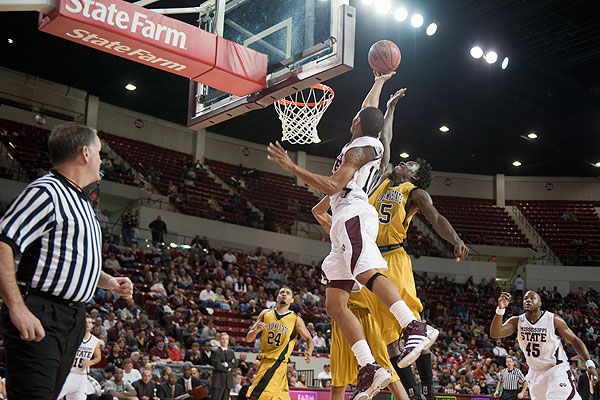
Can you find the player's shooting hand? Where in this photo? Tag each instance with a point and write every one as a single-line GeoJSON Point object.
{"type": "Point", "coordinates": [29, 325]}
{"type": "Point", "coordinates": [307, 356]}
{"type": "Point", "coordinates": [461, 251]}
{"type": "Point", "coordinates": [383, 77]}
{"type": "Point", "coordinates": [122, 286]}
{"type": "Point", "coordinates": [395, 97]}
{"type": "Point", "coordinates": [279, 155]}
{"type": "Point", "coordinates": [504, 300]}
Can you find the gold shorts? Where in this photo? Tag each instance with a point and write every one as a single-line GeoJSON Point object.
{"type": "Point", "coordinates": [270, 383]}
{"type": "Point", "coordinates": [344, 367]}
{"type": "Point", "coordinates": [401, 274]}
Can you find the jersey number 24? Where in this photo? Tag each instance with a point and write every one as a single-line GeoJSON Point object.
{"type": "Point", "coordinates": [273, 338]}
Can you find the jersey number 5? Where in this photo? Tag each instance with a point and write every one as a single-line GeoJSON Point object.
{"type": "Point", "coordinates": [384, 210]}
{"type": "Point", "coordinates": [273, 338]}
{"type": "Point", "coordinates": [533, 349]}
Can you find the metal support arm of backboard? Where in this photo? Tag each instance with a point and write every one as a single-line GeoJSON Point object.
{"type": "Point", "coordinates": [43, 6]}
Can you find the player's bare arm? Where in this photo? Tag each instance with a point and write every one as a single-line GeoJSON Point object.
{"type": "Point", "coordinates": [498, 329]}
{"type": "Point", "coordinates": [321, 215]}
{"type": "Point", "coordinates": [372, 99]}
{"type": "Point", "coordinates": [28, 324]}
{"type": "Point", "coordinates": [422, 200]}
{"type": "Point", "coordinates": [354, 159]}
{"type": "Point", "coordinates": [563, 330]}
{"type": "Point", "coordinates": [387, 133]}
{"type": "Point", "coordinates": [257, 327]}
{"type": "Point", "coordinates": [97, 358]}
{"type": "Point", "coordinates": [301, 328]}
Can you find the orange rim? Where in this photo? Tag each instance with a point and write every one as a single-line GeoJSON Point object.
{"type": "Point", "coordinates": [325, 88]}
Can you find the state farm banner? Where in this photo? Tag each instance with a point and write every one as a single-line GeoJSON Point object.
{"type": "Point", "coordinates": [142, 35]}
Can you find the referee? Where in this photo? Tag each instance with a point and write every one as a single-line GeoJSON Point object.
{"type": "Point", "coordinates": [511, 378]}
{"type": "Point", "coordinates": [54, 229]}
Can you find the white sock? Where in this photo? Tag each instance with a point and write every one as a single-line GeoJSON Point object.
{"type": "Point", "coordinates": [402, 313]}
{"type": "Point", "coordinates": [363, 353]}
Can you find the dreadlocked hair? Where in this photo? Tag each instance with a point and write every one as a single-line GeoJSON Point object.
{"type": "Point", "coordinates": [424, 173]}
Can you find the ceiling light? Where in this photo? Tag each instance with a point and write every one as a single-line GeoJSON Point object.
{"type": "Point", "coordinates": [532, 135]}
{"type": "Point", "coordinates": [491, 57]}
{"type": "Point", "coordinates": [404, 155]}
{"type": "Point", "coordinates": [416, 20]}
{"type": "Point", "coordinates": [597, 165]}
{"type": "Point", "coordinates": [517, 163]}
{"type": "Point", "coordinates": [505, 63]}
{"type": "Point", "coordinates": [476, 52]}
{"type": "Point", "coordinates": [444, 128]}
{"type": "Point", "coordinates": [130, 86]}
{"type": "Point", "coordinates": [10, 41]}
{"type": "Point", "coordinates": [431, 29]}
{"type": "Point", "coordinates": [401, 14]}
{"type": "Point", "coordinates": [383, 6]}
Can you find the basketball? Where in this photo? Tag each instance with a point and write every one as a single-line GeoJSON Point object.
{"type": "Point", "coordinates": [384, 56]}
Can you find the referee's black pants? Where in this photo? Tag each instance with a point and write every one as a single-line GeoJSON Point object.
{"type": "Point", "coordinates": [37, 370]}
{"type": "Point", "coordinates": [509, 394]}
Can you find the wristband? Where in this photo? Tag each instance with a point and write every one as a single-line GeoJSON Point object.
{"type": "Point", "coordinates": [500, 311]}
{"type": "Point", "coordinates": [590, 364]}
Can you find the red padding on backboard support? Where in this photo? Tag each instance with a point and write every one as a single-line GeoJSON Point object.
{"type": "Point", "coordinates": [142, 35]}
{"type": "Point", "coordinates": [239, 69]}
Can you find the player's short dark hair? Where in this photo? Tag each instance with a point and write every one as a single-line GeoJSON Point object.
{"type": "Point", "coordinates": [424, 174]}
{"type": "Point", "coordinates": [67, 140]}
{"type": "Point", "coordinates": [285, 287]}
{"type": "Point", "coordinates": [371, 121]}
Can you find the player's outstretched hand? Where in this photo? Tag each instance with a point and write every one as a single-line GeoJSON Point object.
{"type": "Point", "coordinates": [395, 97]}
{"type": "Point", "coordinates": [461, 251]}
{"type": "Point", "coordinates": [279, 155]}
{"type": "Point", "coordinates": [307, 356]}
{"type": "Point", "coordinates": [29, 325]}
{"type": "Point", "coordinates": [383, 77]}
{"type": "Point", "coordinates": [504, 299]}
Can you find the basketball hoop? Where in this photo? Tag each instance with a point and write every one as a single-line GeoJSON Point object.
{"type": "Point", "coordinates": [301, 112]}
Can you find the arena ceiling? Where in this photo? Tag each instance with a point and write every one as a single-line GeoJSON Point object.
{"type": "Point", "coordinates": [551, 86]}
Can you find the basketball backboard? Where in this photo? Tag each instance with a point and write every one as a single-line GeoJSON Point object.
{"type": "Point", "coordinates": [307, 42]}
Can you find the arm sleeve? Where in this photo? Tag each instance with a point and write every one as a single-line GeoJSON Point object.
{"type": "Point", "coordinates": [31, 214]}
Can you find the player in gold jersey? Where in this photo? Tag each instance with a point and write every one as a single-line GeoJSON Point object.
{"type": "Point", "coordinates": [280, 328]}
{"type": "Point", "coordinates": [400, 194]}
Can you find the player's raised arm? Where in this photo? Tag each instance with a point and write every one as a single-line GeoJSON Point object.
{"type": "Point", "coordinates": [566, 332]}
{"type": "Point", "coordinates": [423, 201]}
{"type": "Point", "coordinates": [372, 99]}
{"type": "Point", "coordinates": [387, 133]}
{"type": "Point", "coordinates": [301, 328]}
{"type": "Point", "coordinates": [499, 329]}
{"type": "Point", "coordinates": [321, 215]}
{"type": "Point", "coordinates": [355, 158]}
{"type": "Point", "coordinates": [258, 326]}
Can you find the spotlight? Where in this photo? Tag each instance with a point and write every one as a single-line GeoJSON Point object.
{"type": "Point", "coordinates": [40, 119]}
{"type": "Point", "coordinates": [404, 155]}
{"type": "Point", "coordinates": [383, 6]}
{"type": "Point", "coordinates": [431, 29]}
{"type": "Point", "coordinates": [444, 128]}
{"type": "Point", "coordinates": [130, 86]}
{"type": "Point", "coordinates": [416, 20]}
{"type": "Point", "coordinates": [597, 165]}
{"type": "Point", "coordinates": [476, 52]}
{"type": "Point", "coordinates": [517, 163]}
{"type": "Point", "coordinates": [491, 57]}
{"type": "Point", "coordinates": [532, 135]}
{"type": "Point", "coordinates": [401, 14]}
{"type": "Point", "coordinates": [505, 63]}
{"type": "Point", "coordinates": [10, 41]}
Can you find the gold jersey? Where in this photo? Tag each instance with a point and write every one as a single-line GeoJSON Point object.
{"type": "Point", "coordinates": [279, 337]}
{"type": "Point", "coordinates": [391, 205]}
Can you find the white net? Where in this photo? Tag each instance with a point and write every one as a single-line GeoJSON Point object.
{"type": "Point", "coordinates": [301, 112]}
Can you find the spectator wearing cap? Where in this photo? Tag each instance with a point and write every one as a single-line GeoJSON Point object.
{"type": "Point", "coordinates": [174, 352]}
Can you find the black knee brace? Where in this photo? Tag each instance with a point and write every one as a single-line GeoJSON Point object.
{"type": "Point", "coordinates": [369, 284]}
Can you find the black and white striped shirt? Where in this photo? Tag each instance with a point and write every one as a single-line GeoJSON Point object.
{"type": "Point", "coordinates": [54, 228]}
{"type": "Point", "coordinates": [512, 380]}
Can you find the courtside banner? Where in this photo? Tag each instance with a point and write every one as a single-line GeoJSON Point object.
{"type": "Point", "coordinates": [142, 35]}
